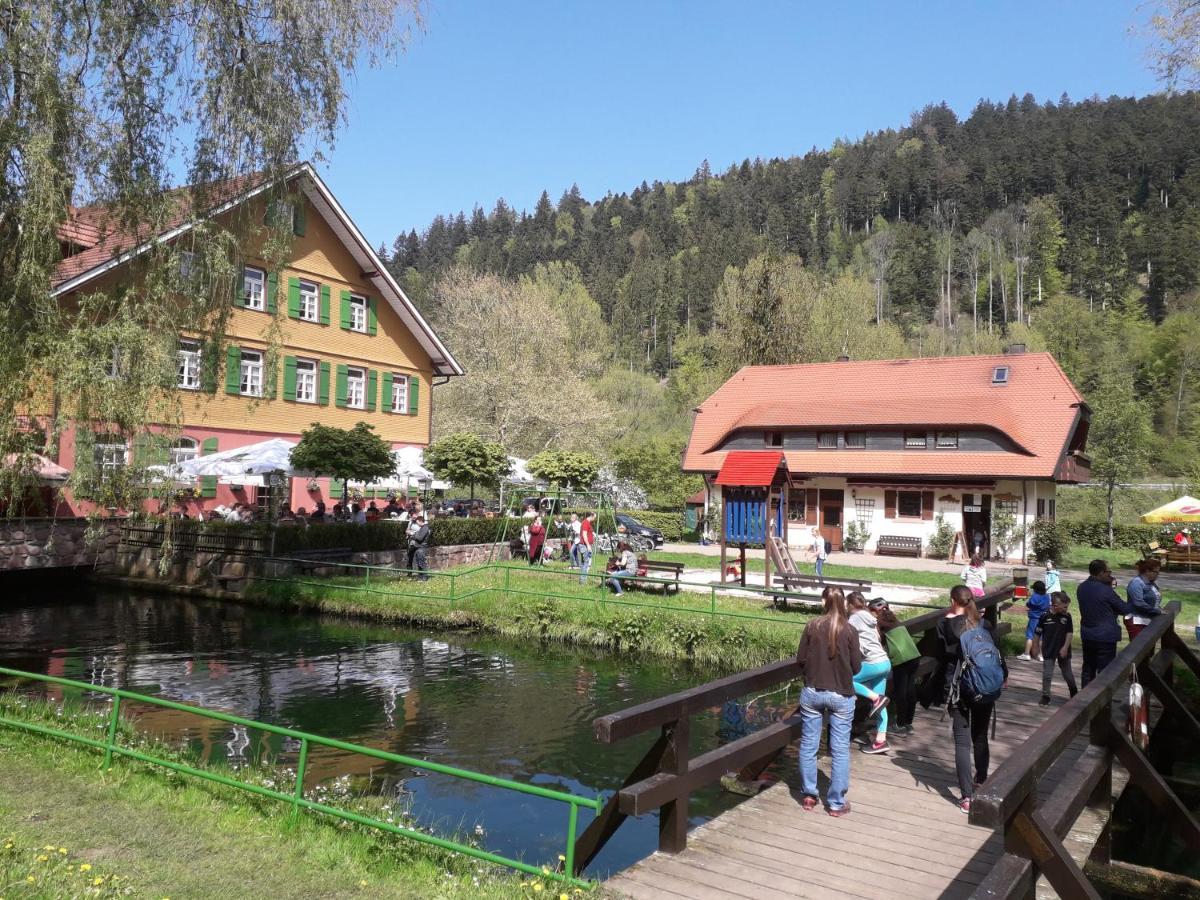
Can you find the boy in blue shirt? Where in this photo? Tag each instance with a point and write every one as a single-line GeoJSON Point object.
{"type": "Point", "coordinates": [1038, 605]}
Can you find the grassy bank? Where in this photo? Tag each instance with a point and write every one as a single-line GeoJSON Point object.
{"type": "Point", "coordinates": [913, 577]}
{"type": "Point", "coordinates": [550, 604]}
{"type": "Point", "coordinates": [69, 830]}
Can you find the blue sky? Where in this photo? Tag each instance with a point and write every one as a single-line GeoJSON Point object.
{"type": "Point", "coordinates": [505, 99]}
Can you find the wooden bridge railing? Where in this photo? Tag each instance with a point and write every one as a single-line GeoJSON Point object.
{"type": "Point", "coordinates": [667, 775]}
{"type": "Point", "coordinates": [1033, 830]}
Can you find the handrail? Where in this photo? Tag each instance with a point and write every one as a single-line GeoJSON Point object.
{"type": "Point", "coordinates": [1034, 828]}
{"type": "Point", "coordinates": [1016, 778]}
{"type": "Point", "coordinates": [666, 775]}
{"type": "Point", "coordinates": [296, 798]}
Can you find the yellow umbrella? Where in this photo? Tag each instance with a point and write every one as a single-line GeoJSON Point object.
{"type": "Point", "coordinates": [1185, 509]}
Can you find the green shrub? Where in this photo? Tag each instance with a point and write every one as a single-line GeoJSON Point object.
{"type": "Point", "coordinates": [372, 537]}
{"type": "Point", "coordinates": [1095, 534]}
{"type": "Point", "coordinates": [451, 531]}
{"type": "Point", "coordinates": [941, 542]}
{"type": "Point", "coordinates": [671, 524]}
{"type": "Point", "coordinates": [1049, 540]}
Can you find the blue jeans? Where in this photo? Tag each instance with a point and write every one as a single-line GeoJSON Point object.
{"type": "Point", "coordinates": [872, 679]}
{"type": "Point", "coordinates": [585, 562]}
{"type": "Point", "coordinates": [615, 580]}
{"type": "Point", "coordinates": [814, 705]}
{"type": "Point", "coordinates": [576, 551]}
{"type": "Point", "coordinates": [820, 566]}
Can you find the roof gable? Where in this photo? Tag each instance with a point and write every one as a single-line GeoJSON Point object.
{"type": "Point", "coordinates": [113, 248]}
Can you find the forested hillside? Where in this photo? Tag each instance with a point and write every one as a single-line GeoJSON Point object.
{"type": "Point", "coordinates": [1073, 226]}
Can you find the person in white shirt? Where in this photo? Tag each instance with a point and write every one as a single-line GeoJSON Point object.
{"type": "Point", "coordinates": [819, 554]}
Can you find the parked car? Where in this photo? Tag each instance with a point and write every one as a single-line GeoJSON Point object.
{"type": "Point", "coordinates": [633, 526]}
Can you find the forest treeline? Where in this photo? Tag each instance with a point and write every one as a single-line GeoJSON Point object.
{"type": "Point", "coordinates": [1068, 226]}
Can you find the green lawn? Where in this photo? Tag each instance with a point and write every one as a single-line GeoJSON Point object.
{"type": "Point", "coordinates": [143, 831]}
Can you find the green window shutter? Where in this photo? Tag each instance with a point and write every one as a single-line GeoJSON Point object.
{"type": "Point", "coordinates": [208, 485]}
{"type": "Point", "coordinates": [299, 217]}
{"type": "Point", "coordinates": [372, 319]}
{"type": "Point", "coordinates": [207, 446]}
{"type": "Point", "coordinates": [209, 360]}
{"type": "Point", "coordinates": [385, 398]}
{"type": "Point", "coordinates": [85, 452]}
{"type": "Point", "coordinates": [294, 297]}
{"type": "Point", "coordinates": [372, 389]}
{"type": "Point", "coordinates": [414, 384]}
{"type": "Point", "coordinates": [233, 370]}
{"type": "Point", "coordinates": [272, 290]}
{"type": "Point", "coordinates": [289, 378]}
{"type": "Point", "coordinates": [150, 450]}
{"type": "Point", "coordinates": [339, 391]}
{"type": "Point", "coordinates": [346, 320]}
{"type": "Point", "coordinates": [335, 487]}
{"type": "Point", "coordinates": [324, 304]}
{"type": "Point", "coordinates": [323, 386]}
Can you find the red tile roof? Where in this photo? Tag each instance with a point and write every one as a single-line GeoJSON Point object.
{"type": "Point", "coordinates": [1036, 409]}
{"type": "Point", "coordinates": [750, 468]}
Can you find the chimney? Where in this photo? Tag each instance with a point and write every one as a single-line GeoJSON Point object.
{"type": "Point", "coordinates": [1014, 349]}
{"type": "Point", "coordinates": [843, 358]}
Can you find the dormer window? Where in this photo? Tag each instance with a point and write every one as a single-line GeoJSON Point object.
{"type": "Point", "coordinates": [1000, 375]}
{"type": "Point", "coordinates": [914, 440]}
{"type": "Point", "coordinates": [827, 440]}
{"type": "Point", "coordinates": [947, 440]}
{"type": "Point", "coordinates": [773, 439]}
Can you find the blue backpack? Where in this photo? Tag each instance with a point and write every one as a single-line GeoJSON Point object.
{"type": "Point", "coordinates": [981, 676]}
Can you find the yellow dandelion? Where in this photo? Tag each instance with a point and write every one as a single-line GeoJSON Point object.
{"type": "Point", "coordinates": [30, 879]}
{"type": "Point", "coordinates": [8, 846]}
{"type": "Point", "coordinates": [561, 858]}
{"type": "Point", "coordinates": [48, 847]}
{"type": "Point", "coordinates": [362, 884]}
{"type": "Point", "coordinates": [42, 857]}
{"type": "Point", "coordinates": [545, 870]}
{"type": "Point", "coordinates": [564, 897]}
{"type": "Point", "coordinates": [97, 881]}
{"type": "Point", "coordinates": [85, 867]}
{"type": "Point", "coordinates": [62, 849]}
{"type": "Point", "coordinates": [537, 887]}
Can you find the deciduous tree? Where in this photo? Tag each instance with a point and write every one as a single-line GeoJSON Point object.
{"type": "Point", "coordinates": [467, 459]}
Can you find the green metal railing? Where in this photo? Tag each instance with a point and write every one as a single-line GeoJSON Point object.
{"type": "Point", "coordinates": [295, 798]}
{"type": "Point", "coordinates": [453, 596]}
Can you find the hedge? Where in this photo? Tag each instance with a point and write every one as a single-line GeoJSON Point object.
{"type": "Point", "coordinates": [671, 524]}
{"type": "Point", "coordinates": [1095, 534]}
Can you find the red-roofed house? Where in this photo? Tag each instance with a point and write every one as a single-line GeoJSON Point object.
{"type": "Point", "coordinates": [890, 444]}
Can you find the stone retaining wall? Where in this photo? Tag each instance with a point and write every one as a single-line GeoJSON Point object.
{"type": "Point", "coordinates": [229, 572]}
{"type": "Point", "coordinates": [56, 543]}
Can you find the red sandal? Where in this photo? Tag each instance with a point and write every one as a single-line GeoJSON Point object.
{"type": "Point", "coordinates": [808, 804]}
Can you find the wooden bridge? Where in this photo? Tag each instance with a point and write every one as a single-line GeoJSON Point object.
{"type": "Point", "coordinates": [1040, 826]}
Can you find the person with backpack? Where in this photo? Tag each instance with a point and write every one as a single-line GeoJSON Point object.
{"type": "Point", "coordinates": [905, 658]}
{"type": "Point", "coordinates": [871, 680]}
{"type": "Point", "coordinates": [973, 673]}
{"type": "Point", "coordinates": [829, 658]}
{"type": "Point", "coordinates": [1055, 630]}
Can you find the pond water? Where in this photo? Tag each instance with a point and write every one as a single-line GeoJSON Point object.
{"type": "Point", "coordinates": [518, 710]}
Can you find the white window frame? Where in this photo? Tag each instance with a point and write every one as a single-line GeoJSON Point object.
{"type": "Point", "coordinates": [189, 363]}
{"type": "Point", "coordinates": [182, 450]}
{"type": "Point", "coordinates": [946, 440]}
{"type": "Point", "coordinates": [252, 275]}
{"type": "Point", "coordinates": [356, 388]}
{"type": "Point", "coordinates": [112, 366]}
{"type": "Point", "coordinates": [358, 307]}
{"type": "Point", "coordinates": [826, 434]}
{"type": "Point", "coordinates": [250, 383]}
{"type": "Point", "coordinates": [860, 446]}
{"type": "Point", "coordinates": [399, 393]}
{"type": "Point", "coordinates": [864, 509]}
{"type": "Point", "coordinates": [310, 301]}
{"type": "Point", "coordinates": [911, 442]}
{"type": "Point", "coordinates": [110, 457]}
{"type": "Point", "coordinates": [309, 381]}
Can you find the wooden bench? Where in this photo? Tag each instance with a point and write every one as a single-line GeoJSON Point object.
{"type": "Point", "coordinates": [793, 583]}
{"type": "Point", "coordinates": [308, 561]}
{"type": "Point", "coordinates": [1183, 557]}
{"type": "Point", "coordinates": [658, 570]}
{"type": "Point", "coordinates": [898, 545]}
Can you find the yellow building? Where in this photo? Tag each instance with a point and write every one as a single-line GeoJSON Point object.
{"type": "Point", "coordinates": [351, 346]}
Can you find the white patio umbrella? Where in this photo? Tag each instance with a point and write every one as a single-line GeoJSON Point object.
{"type": "Point", "coordinates": [272, 455]}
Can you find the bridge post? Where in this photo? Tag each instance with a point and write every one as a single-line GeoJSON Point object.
{"type": "Point", "coordinates": [673, 817]}
{"type": "Point", "coordinates": [1100, 800]}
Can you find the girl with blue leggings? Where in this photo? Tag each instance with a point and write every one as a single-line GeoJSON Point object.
{"type": "Point", "coordinates": [871, 680]}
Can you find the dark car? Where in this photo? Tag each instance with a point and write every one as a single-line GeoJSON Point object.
{"type": "Point", "coordinates": [633, 526]}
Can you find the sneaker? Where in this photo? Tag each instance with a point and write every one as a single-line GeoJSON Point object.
{"type": "Point", "coordinates": [1025, 656]}
{"type": "Point", "coordinates": [842, 811]}
{"type": "Point", "coordinates": [1039, 658]}
{"type": "Point", "coordinates": [901, 731]}
{"type": "Point", "coordinates": [877, 747]}
{"type": "Point", "coordinates": [965, 805]}
{"type": "Point", "coordinates": [880, 702]}
{"type": "Point", "coordinates": [1045, 701]}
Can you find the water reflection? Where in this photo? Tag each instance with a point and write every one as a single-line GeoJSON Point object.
{"type": "Point", "coordinates": [516, 710]}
